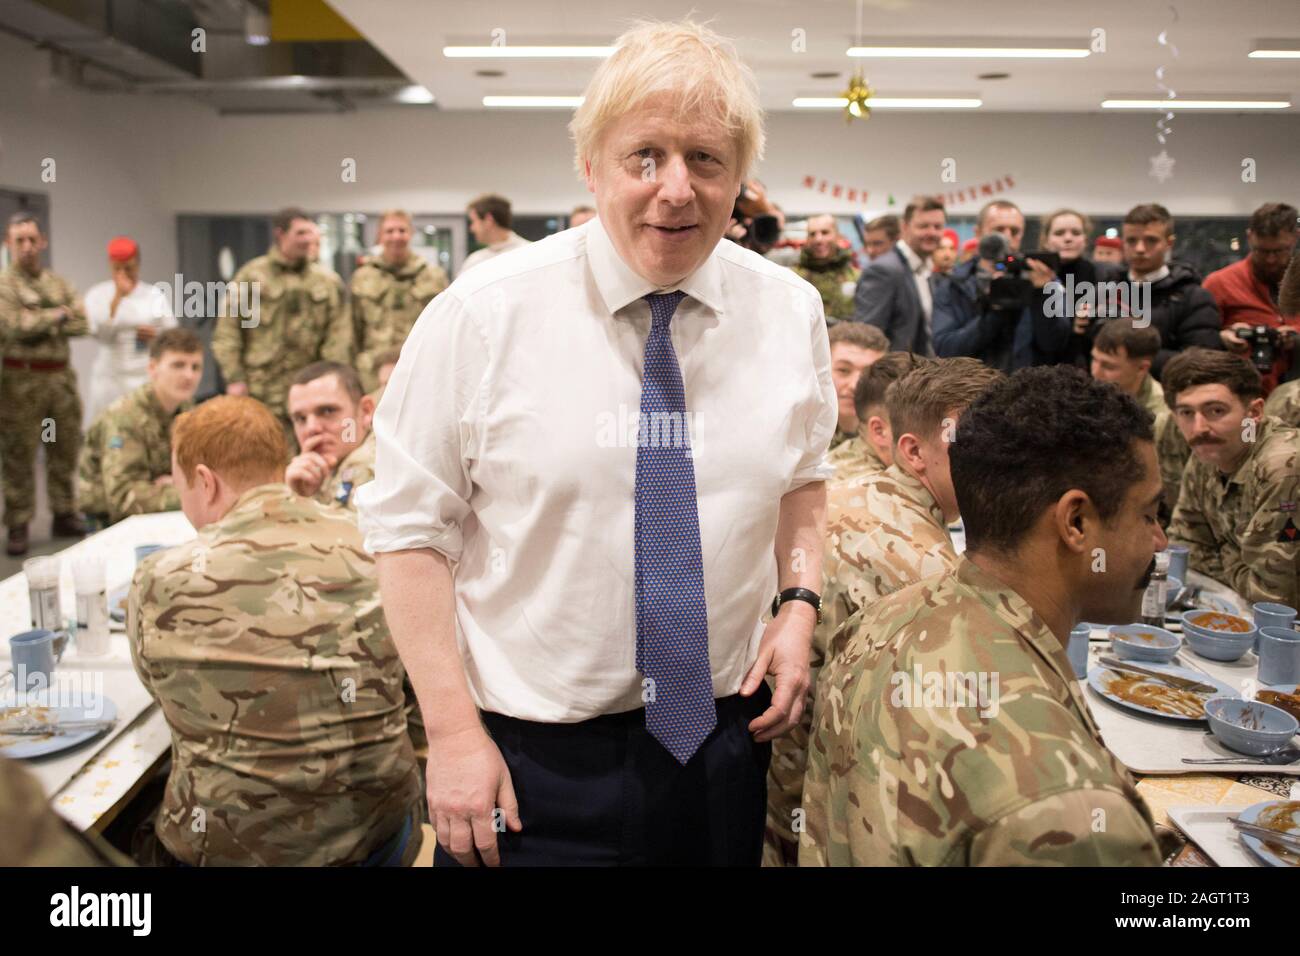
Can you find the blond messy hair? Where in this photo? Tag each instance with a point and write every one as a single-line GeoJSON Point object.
{"type": "Point", "coordinates": [698, 68]}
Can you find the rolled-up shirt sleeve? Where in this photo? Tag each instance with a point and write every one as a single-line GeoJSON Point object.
{"type": "Point", "coordinates": [822, 414]}
{"type": "Point", "coordinates": [426, 433]}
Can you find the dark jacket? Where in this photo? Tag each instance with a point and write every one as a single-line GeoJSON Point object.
{"type": "Point", "coordinates": [886, 297]}
{"type": "Point", "coordinates": [1003, 340]}
{"type": "Point", "coordinates": [1182, 312]}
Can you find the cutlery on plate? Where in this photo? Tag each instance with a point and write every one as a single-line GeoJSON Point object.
{"type": "Point", "coordinates": [1173, 680]}
{"type": "Point", "coordinates": [1290, 841]}
{"type": "Point", "coordinates": [62, 727]}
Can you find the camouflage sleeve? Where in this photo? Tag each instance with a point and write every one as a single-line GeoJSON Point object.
{"type": "Point", "coordinates": [1263, 564]}
{"type": "Point", "coordinates": [1189, 526]}
{"type": "Point", "coordinates": [1172, 453]}
{"type": "Point", "coordinates": [20, 323]}
{"type": "Point", "coordinates": [1074, 828]}
{"type": "Point", "coordinates": [228, 337]}
{"type": "Point", "coordinates": [340, 336]}
{"type": "Point", "coordinates": [77, 323]}
{"type": "Point", "coordinates": [129, 487]}
{"type": "Point", "coordinates": [140, 584]}
{"type": "Point", "coordinates": [90, 490]}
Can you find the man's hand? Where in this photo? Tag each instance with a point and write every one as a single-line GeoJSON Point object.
{"type": "Point", "coordinates": [1040, 273]}
{"type": "Point", "coordinates": [146, 333]}
{"type": "Point", "coordinates": [236, 388]}
{"type": "Point", "coordinates": [468, 781]}
{"type": "Point", "coordinates": [310, 469]}
{"type": "Point", "coordinates": [783, 652]}
{"type": "Point", "coordinates": [1082, 318]}
{"type": "Point", "coordinates": [1230, 340]}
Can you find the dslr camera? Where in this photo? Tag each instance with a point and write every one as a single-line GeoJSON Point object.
{"type": "Point", "coordinates": [1264, 343]}
{"type": "Point", "coordinates": [1013, 291]}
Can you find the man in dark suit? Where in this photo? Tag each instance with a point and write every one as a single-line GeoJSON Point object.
{"type": "Point", "coordinates": [893, 293]}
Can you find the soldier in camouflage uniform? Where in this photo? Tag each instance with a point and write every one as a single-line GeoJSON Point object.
{"type": "Point", "coordinates": [389, 291]}
{"type": "Point", "coordinates": [126, 460]}
{"type": "Point", "coordinates": [828, 267]}
{"type": "Point", "coordinates": [266, 647]}
{"type": "Point", "coordinates": [39, 312]}
{"type": "Point", "coordinates": [332, 419]}
{"type": "Point", "coordinates": [950, 729]}
{"type": "Point", "coordinates": [883, 532]}
{"type": "Point", "coordinates": [870, 451]}
{"type": "Point", "coordinates": [1237, 508]}
{"type": "Point", "coordinates": [301, 317]}
{"type": "Point", "coordinates": [1172, 453]}
{"type": "Point", "coordinates": [1284, 403]}
{"type": "Point", "coordinates": [34, 835]}
{"type": "Point", "coordinates": [854, 349]}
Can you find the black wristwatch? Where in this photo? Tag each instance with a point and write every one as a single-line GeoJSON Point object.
{"type": "Point", "coordinates": [798, 594]}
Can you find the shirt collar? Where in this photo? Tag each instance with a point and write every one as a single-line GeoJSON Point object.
{"type": "Point", "coordinates": [1156, 276]}
{"type": "Point", "coordinates": [914, 262]}
{"type": "Point", "coordinates": [619, 285]}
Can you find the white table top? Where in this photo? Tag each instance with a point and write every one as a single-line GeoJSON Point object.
{"type": "Point", "coordinates": [90, 780]}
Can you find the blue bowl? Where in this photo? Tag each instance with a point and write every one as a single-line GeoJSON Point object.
{"type": "Point", "coordinates": [1140, 642]}
{"type": "Point", "coordinates": [1217, 645]}
{"type": "Point", "coordinates": [1217, 649]}
{"type": "Point", "coordinates": [1250, 727]}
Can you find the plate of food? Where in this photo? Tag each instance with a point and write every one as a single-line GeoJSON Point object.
{"type": "Point", "coordinates": [1155, 693]}
{"type": "Point", "coordinates": [1285, 696]}
{"type": "Point", "coordinates": [33, 730]}
{"type": "Point", "coordinates": [1280, 815]}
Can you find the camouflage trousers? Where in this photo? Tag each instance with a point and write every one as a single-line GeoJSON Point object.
{"type": "Point", "coordinates": [39, 408]}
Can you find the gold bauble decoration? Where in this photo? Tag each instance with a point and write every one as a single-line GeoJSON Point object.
{"type": "Point", "coordinates": [856, 97]}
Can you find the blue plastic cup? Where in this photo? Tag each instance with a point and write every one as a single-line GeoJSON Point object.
{"type": "Point", "coordinates": [32, 653]}
{"type": "Point", "coordinates": [1279, 655]}
{"type": "Point", "coordinates": [1077, 649]}
{"type": "Point", "coordinates": [1272, 615]}
{"type": "Point", "coordinates": [1177, 561]}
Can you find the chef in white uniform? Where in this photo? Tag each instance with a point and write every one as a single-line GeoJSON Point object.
{"type": "Point", "coordinates": [125, 314]}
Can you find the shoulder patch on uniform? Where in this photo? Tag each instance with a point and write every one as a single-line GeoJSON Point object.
{"type": "Point", "coordinates": [1289, 533]}
{"type": "Point", "coordinates": [116, 442]}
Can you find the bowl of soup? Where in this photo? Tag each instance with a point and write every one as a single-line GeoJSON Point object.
{"type": "Point", "coordinates": [1141, 642]}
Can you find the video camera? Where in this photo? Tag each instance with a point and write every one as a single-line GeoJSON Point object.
{"type": "Point", "coordinates": [1009, 289]}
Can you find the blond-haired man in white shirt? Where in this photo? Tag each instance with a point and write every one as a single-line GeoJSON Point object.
{"type": "Point", "coordinates": [617, 437]}
{"type": "Point", "coordinates": [125, 315]}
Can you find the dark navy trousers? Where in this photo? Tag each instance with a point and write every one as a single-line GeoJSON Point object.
{"type": "Point", "coordinates": [603, 792]}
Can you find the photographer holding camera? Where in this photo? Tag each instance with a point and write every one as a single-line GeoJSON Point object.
{"type": "Point", "coordinates": [756, 221]}
{"type": "Point", "coordinates": [1247, 293]}
{"type": "Point", "coordinates": [992, 307]}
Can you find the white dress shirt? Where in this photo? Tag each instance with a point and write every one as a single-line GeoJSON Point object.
{"type": "Point", "coordinates": [506, 440]}
{"type": "Point", "coordinates": [921, 269]}
{"type": "Point", "coordinates": [122, 363]}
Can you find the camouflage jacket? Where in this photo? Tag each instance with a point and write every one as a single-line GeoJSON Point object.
{"type": "Point", "coordinates": [1172, 452]}
{"type": "Point", "coordinates": [950, 731]}
{"type": "Point", "coordinates": [1151, 396]}
{"type": "Point", "coordinates": [854, 458]}
{"type": "Point", "coordinates": [828, 277]}
{"type": "Point", "coordinates": [1284, 403]}
{"type": "Point", "coordinates": [300, 319]}
{"type": "Point", "coordinates": [1241, 528]}
{"type": "Point", "coordinates": [883, 532]}
{"type": "Point", "coordinates": [386, 301]}
{"type": "Point", "coordinates": [352, 472]}
{"type": "Point", "coordinates": [32, 323]}
{"type": "Point", "coordinates": [126, 448]}
{"type": "Point", "coordinates": [265, 645]}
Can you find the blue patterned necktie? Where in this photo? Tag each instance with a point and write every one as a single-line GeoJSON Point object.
{"type": "Point", "coordinates": [672, 627]}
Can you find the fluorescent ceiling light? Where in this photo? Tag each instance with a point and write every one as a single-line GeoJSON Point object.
{"type": "Point", "coordinates": [1190, 104]}
{"type": "Point", "coordinates": [891, 103]}
{"type": "Point", "coordinates": [1275, 50]}
{"type": "Point", "coordinates": [973, 52]}
{"type": "Point", "coordinates": [533, 102]}
{"type": "Point", "coordinates": [564, 52]}
{"type": "Point", "coordinates": [414, 95]}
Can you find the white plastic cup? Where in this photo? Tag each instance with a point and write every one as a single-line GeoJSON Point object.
{"type": "Point", "coordinates": [93, 639]}
{"type": "Point", "coordinates": [43, 577]}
